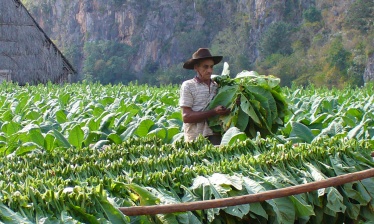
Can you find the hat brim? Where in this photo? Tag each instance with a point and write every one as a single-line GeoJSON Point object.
{"type": "Point", "coordinates": [189, 64]}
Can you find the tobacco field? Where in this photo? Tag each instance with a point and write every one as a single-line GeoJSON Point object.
{"type": "Point", "coordinates": [75, 153]}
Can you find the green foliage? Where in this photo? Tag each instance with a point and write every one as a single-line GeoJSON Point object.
{"type": "Point", "coordinates": [360, 16]}
{"type": "Point", "coordinates": [231, 31]}
{"type": "Point", "coordinates": [338, 56]}
{"type": "Point", "coordinates": [289, 68]}
{"type": "Point", "coordinates": [73, 54]}
{"type": "Point", "coordinates": [256, 103]}
{"type": "Point", "coordinates": [75, 153]}
{"type": "Point", "coordinates": [290, 10]}
{"type": "Point", "coordinates": [175, 74]}
{"type": "Point", "coordinates": [357, 66]}
{"type": "Point", "coordinates": [318, 59]}
{"type": "Point", "coordinates": [228, 43]}
{"type": "Point", "coordinates": [312, 14]}
{"type": "Point", "coordinates": [276, 39]}
{"type": "Point", "coordinates": [107, 62]}
{"type": "Point", "coordinates": [187, 41]}
{"type": "Point", "coordinates": [83, 114]}
{"type": "Point", "coordinates": [89, 185]}
{"type": "Point", "coordinates": [330, 112]}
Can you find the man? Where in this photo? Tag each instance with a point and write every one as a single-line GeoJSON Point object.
{"type": "Point", "coordinates": [196, 94]}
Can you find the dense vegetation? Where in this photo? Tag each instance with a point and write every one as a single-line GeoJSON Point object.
{"type": "Point", "coordinates": [74, 153]}
{"type": "Point", "coordinates": [307, 51]}
{"type": "Point", "coordinates": [325, 43]}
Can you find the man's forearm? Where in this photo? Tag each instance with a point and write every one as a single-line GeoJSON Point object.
{"type": "Point", "coordinates": [198, 116]}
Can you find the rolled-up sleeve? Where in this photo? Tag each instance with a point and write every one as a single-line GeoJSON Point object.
{"type": "Point", "coordinates": [186, 97]}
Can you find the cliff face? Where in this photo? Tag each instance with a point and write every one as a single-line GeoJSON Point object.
{"type": "Point", "coordinates": [167, 32]}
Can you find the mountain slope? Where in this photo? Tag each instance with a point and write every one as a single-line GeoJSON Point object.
{"type": "Point", "coordinates": [123, 40]}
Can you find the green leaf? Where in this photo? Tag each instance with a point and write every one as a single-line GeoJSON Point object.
{"type": "Point", "coordinates": [176, 116]}
{"type": "Point", "coordinates": [32, 115]}
{"type": "Point", "coordinates": [61, 139]}
{"type": "Point", "coordinates": [122, 121]}
{"type": "Point", "coordinates": [273, 81]}
{"type": "Point", "coordinates": [353, 133]}
{"type": "Point", "coordinates": [247, 74]}
{"type": "Point", "coordinates": [226, 96]}
{"type": "Point", "coordinates": [26, 147]}
{"type": "Point", "coordinates": [171, 132]}
{"type": "Point", "coordinates": [10, 127]}
{"type": "Point", "coordinates": [353, 210]}
{"type": "Point", "coordinates": [106, 121]}
{"type": "Point", "coordinates": [144, 126]}
{"type": "Point", "coordinates": [217, 186]}
{"type": "Point", "coordinates": [317, 175]}
{"type": "Point", "coordinates": [76, 136]}
{"type": "Point", "coordinates": [64, 99]}
{"type": "Point", "coordinates": [302, 132]}
{"type": "Point", "coordinates": [91, 136]}
{"type": "Point", "coordinates": [61, 116]}
{"type": "Point", "coordinates": [334, 202]}
{"type": "Point", "coordinates": [129, 132]}
{"type": "Point", "coordinates": [233, 135]}
{"type": "Point", "coordinates": [64, 218]}
{"type": "Point", "coordinates": [32, 132]}
{"type": "Point", "coordinates": [243, 120]}
{"type": "Point", "coordinates": [302, 208]}
{"type": "Point", "coordinates": [248, 107]}
{"type": "Point", "coordinates": [75, 108]}
{"type": "Point", "coordinates": [9, 216]}
{"type": "Point", "coordinates": [239, 210]}
{"type": "Point", "coordinates": [268, 103]}
{"type": "Point", "coordinates": [254, 187]}
{"type": "Point", "coordinates": [92, 124]}
{"type": "Point", "coordinates": [145, 196]}
{"type": "Point", "coordinates": [319, 119]}
{"type": "Point", "coordinates": [100, 144]}
{"type": "Point", "coordinates": [354, 112]}
{"type": "Point", "coordinates": [49, 141]}
{"type": "Point", "coordinates": [284, 210]}
{"type": "Point", "coordinates": [113, 137]}
{"type": "Point", "coordinates": [82, 213]}
{"type": "Point", "coordinates": [107, 100]}
{"type": "Point", "coordinates": [168, 99]}
{"type": "Point", "coordinates": [159, 133]}
{"type": "Point", "coordinates": [114, 215]}
{"type": "Point", "coordinates": [167, 218]}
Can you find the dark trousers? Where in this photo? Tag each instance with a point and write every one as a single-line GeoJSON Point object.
{"type": "Point", "coordinates": [214, 139]}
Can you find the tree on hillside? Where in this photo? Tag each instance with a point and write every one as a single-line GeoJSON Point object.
{"type": "Point", "coordinates": [312, 15]}
{"type": "Point", "coordinates": [229, 43]}
{"type": "Point", "coordinates": [276, 39]}
{"type": "Point", "coordinates": [107, 62]}
{"type": "Point", "coordinates": [360, 16]}
{"type": "Point", "coordinates": [338, 56]}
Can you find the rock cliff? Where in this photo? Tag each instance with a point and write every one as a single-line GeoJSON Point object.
{"type": "Point", "coordinates": [165, 33]}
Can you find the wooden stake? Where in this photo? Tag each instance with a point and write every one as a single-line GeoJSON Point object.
{"type": "Point", "coordinates": [246, 199]}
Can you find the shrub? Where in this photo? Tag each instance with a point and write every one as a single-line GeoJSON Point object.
{"type": "Point", "coordinates": [276, 39]}
{"type": "Point", "coordinates": [312, 15]}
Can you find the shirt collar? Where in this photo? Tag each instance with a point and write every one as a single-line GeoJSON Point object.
{"type": "Point", "coordinates": [197, 79]}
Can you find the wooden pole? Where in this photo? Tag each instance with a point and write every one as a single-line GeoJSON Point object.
{"type": "Point", "coordinates": [246, 199]}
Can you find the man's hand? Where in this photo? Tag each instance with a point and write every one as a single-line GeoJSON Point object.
{"type": "Point", "coordinates": [221, 110]}
{"type": "Point", "coordinates": [190, 116]}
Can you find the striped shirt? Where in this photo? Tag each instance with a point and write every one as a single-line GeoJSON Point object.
{"type": "Point", "coordinates": [196, 95]}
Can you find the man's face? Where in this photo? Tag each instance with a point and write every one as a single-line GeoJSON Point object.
{"type": "Point", "coordinates": [205, 69]}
